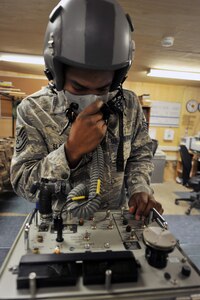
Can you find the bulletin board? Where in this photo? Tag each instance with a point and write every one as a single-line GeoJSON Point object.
{"type": "Point", "coordinates": [165, 113]}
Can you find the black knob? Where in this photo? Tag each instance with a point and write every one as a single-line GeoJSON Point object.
{"type": "Point", "coordinates": [186, 271]}
{"type": "Point", "coordinates": [128, 228]}
{"type": "Point", "coordinates": [167, 276]}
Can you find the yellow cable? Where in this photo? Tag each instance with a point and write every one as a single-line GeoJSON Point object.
{"type": "Point", "coordinates": [78, 198]}
{"type": "Point", "coordinates": [98, 186]}
{"type": "Point", "coordinates": [83, 197]}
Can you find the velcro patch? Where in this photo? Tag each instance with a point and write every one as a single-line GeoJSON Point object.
{"type": "Point", "coordinates": [21, 140]}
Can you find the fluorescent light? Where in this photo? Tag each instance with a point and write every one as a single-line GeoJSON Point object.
{"type": "Point", "coordinates": [22, 58]}
{"type": "Point", "coordinates": [174, 74]}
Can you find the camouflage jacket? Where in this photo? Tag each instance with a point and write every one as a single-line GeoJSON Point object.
{"type": "Point", "coordinates": [39, 150]}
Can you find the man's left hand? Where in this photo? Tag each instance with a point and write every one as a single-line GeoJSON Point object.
{"type": "Point", "coordinates": [140, 204]}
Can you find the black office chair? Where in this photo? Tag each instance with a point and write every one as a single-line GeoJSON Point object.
{"type": "Point", "coordinates": [190, 182]}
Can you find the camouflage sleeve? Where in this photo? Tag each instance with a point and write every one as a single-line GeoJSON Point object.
{"type": "Point", "coordinates": [31, 160]}
{"type": "Point", "coordinates": [139, 164]}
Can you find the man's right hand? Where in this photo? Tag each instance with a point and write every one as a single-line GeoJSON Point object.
{"type": "Point", "coordinates": [87, 132]}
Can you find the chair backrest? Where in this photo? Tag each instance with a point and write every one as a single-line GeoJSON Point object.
{"type": "Point", "coordinates": [186, 159]}
{"type": "Point", "coordinates": [154, 145]}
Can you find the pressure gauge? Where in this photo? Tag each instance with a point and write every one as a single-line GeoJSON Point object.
{"type": "Point", "coordinates": [192, 105]}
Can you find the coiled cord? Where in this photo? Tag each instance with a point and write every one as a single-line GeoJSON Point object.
{"type": "Point", "coordinates": [81, 201]}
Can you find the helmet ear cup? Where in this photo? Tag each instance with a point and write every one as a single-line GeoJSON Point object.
{"type": "Point", "coordinates": [90, 34]}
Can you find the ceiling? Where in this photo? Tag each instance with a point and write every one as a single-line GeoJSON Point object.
{"type": "Point", "coordinates": [23, 24]}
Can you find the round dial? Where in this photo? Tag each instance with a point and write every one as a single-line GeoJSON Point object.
{"type": "Point", "coordinates": [192, 105]}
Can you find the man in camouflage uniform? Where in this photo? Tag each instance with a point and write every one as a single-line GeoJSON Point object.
{"type": "Point", "coordinates": [88, 70]}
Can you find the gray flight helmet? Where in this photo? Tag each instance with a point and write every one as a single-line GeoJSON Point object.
{"type": "Point", "coordinates": [90, 34]}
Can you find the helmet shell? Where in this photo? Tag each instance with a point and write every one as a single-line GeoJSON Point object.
{"type": "Point", "coordinates": [91, 34]}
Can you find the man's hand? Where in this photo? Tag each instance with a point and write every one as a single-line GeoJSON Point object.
{"type": "Point", "coordinates": [140, 204]}
{"type": "Point", "coordinates": [87, 132]}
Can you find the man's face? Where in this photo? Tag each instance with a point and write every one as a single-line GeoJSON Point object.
{"type": "Point", "coordinates": [85, 82]}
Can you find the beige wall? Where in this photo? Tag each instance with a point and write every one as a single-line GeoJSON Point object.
{"type": "Point", "coordinates": [28, 86]}
{"type": "Point", "coordinates": [6, 127]}
{"type": "Point", "coordinates": [189, 122]}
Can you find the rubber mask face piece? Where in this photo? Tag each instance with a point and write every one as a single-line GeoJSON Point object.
{"type": "Point", "coordinates": [84, 101]}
